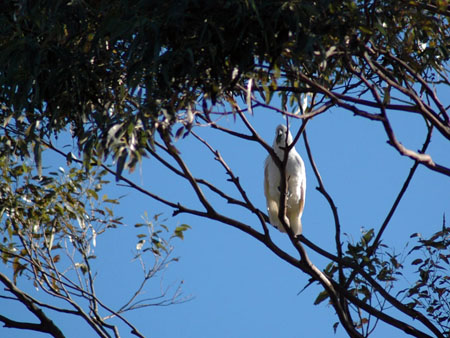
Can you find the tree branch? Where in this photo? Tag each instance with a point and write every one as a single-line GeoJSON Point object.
{"type": "Point", "coordinates": [175, 154]}
{"type": "Point", "coordinates": [424, 159]}
{"type": "Point", "coordinates": [413, 314]}
{"type": "Point", "coordinates": [323, 191]}
{"type": "Point", "coordinates": [401, 193]}
{"type": "Point", "coordinates": [424, 109]}
{"type": "Point", "coordinates": [46, 324]}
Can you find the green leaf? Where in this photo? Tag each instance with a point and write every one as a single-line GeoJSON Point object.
{"type": "Point", "coordinates": [10, 231]}
{"type": "Point", "coordinates": [368, 236]}
{"type": "Point", "coordinates": [7, 119]}
{"type": "Point", "coordinates": [387, 95]}
{"type": "Point", "coordinates": [120, 165]}
{"type": "Point", "coordinates": [179, 231]}
{"type": "Point", "coordinates": [321, 297]}
{"type": "Point", "coordinates": [335, 326]}
{"type": "Point", "coordinates": [93, 194]}
{"type": "Point", "coordinates": [82, 267]}
{"type": "Point", "coordinates": [37, 151]}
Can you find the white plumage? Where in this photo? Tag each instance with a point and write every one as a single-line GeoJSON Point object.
{"type": "Point", "coordinates": [296, 182]}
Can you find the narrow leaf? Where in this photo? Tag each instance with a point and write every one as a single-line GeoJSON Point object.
{"type": "Point", "coordinates": [321, 297]}
{"type": "Point", "coordinates": [37, 150]}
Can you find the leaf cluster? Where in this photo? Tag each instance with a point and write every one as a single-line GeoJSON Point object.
{"type": "Point", "coordinates": [42, 216]}
{"type": "Point", "coordinates": [113, 71]}
{"type": "Point", "coordinates": [431, 292]}
{"type": "Point", "coordinates": [49, 228]}
{"type": "Point", "coordinates": [156, 239]}
{"type": "Point", "coordinates": [382, 266]}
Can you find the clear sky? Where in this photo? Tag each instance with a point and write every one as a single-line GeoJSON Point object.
{"type": "Point", "coordinates": [239, 288]}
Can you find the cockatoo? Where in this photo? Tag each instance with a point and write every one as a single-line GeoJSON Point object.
{"type": "Point", "coordinates": [296, 183]}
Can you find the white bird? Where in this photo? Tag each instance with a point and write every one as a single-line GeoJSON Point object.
{"type": "Point", "coordinates": [296, 183]}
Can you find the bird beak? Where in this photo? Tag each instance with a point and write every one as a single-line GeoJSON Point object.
{"type": "Point", "coordinates": [280, 133]}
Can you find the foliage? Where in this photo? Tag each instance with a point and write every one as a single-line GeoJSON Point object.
{"type": "Point", "coordinates": [121, 75]}
{"type": "Point", "coordinates": [43, 213]}
{"type": "Point", "coordinates": [381, 270]}
{"type": "Point", "coordinates": [430, 292]}
{"type": "Point", "coordinates": [50, 225]}
{"type": "Point", "coordinates": [114, 70]}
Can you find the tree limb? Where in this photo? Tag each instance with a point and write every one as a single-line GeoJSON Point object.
{"type": "Point", "coordinates": [46, 324]}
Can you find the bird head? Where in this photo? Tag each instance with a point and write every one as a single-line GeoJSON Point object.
{"type": "Point", "coordinates": [280, 137]}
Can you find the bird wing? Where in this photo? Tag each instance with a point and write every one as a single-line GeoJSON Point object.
{"type": "Point", "coordinates": [302, 200]}
{"type": "Point", "coordinates": [302, 186]}
{"type": "Point", "coordinates": [295, 207]}
{"type": "Point", "coordinates": [272, 201]}
{"type": "Point", "coordinates": [266, 178]}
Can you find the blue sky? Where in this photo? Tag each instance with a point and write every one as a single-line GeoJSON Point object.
{"type": "Point", "coordinates": [239, 288]}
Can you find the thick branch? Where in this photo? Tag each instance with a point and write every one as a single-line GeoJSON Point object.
{"type": "Point", "coordinates": [46, 324]}
{"type": "Point", "coordinates": [24, 326]}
